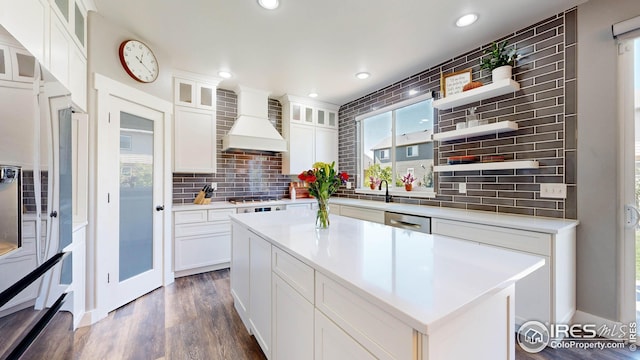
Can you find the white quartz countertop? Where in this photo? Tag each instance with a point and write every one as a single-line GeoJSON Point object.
{"type": "Point", "coordinates": [522, 222]}
{"type": "Point", "coordinates": [421, 279]}
{"type": "Point", "coordinates": [227, 205]}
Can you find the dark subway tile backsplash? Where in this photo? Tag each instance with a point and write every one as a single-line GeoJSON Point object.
{"type": "Point", "coordinates": [546, 73]}
{"type": "Point", "coordinates": [239, 173]}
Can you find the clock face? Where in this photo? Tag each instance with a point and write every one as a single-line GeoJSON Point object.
{"type": "Point", "coordinates": [138, 60]}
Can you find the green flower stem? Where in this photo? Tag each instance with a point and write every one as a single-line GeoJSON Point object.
{"type": "Point", "coordinates": [322, 216]}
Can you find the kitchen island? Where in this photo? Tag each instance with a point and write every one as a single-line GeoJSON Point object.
{"type": "Point", "coordinates": [366, 290]}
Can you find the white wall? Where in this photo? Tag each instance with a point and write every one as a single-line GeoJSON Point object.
{"type": "Point", "coordinates": [597, 259]}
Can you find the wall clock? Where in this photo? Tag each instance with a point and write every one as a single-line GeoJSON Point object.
{"type": "Point", "coordinates": [138, 61]}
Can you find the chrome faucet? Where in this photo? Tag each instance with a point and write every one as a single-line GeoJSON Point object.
{"type": "Point", "coordinates": [387, 197]}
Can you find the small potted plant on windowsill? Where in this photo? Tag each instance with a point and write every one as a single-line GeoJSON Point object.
{"type": "Point", "coordinates": [408, 180]}
{"type": "Point", "coordinates": [499, 60]}
{"type": "Point", "coordinates": [374, 182]}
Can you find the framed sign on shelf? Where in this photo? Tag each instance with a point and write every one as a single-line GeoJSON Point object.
{"type": "Point", "coordinates": [454, 82]}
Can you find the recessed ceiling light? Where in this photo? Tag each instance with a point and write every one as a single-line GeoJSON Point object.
{"type": "Point", "coordinates": [269, 4]}
{"type": "Point", "coordinates": [313, 95]}
{"type": "Point", "coordinates": [466, 20]}
{"type": "Point", "coordinates": [224, 74]}
{"type": "Point", "coordinates": [362, 75]}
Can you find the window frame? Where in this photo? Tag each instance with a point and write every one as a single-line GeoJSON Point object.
{"type": "Point", "coordinates": [398, 191]}
{"type": "Point", "coordinates": [417, 152]}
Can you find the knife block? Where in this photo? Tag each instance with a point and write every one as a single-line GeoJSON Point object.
{"type": "Point", "coordinates": [201, 200]}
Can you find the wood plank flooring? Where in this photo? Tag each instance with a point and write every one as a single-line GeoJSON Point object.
{"type": "Point", "coordinates": [192, 319]}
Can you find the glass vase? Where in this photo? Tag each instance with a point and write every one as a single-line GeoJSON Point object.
{"type": "Point", "coordinates": [322, 216]}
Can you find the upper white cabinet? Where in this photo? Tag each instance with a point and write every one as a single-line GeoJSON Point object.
{"type": "Point", "coordinates": [16, 64]}
{"type": "Point", "coordinates": [194, 139]}
{"type": "Point", "coordinates": [55, 33]}
{"type": "Point", "coordinates": [192, 93]}
{"type": "Point", "coordinates": [311, 131]}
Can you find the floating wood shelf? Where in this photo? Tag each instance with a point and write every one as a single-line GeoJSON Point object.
{"type": "Point", "coordinates": [527, 164]}
{"type": "Point", "coordinates": [494, 89]}
{"type": "Point", "coordinates": [494, 128]}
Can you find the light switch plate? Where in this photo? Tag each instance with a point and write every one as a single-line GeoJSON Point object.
{"type": "Point", "coordinates": [553, 191]}
{"type": "Point", "coordinates": [462, 188]}
{"type": "Point", "coordinates": [214, 186]}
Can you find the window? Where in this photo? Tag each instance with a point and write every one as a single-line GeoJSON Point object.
{"type": "Point", "coordinates": [412, 151]}
{"type": "Point", "coordinates": [125, 142]}
{"type": "Point", "coordinates": [395, 141]}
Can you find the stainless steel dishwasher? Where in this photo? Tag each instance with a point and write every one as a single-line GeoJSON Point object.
{"type": "Point", "coordinates": [410, 222]}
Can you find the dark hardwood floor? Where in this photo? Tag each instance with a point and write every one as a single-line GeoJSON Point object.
{"type": "Point", "coordinates": [190, 319]}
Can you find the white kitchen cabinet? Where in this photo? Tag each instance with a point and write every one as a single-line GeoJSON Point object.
{"type": "Point", "coordinates": [251, 283]}
{"type": "Point", "coordinates": [326, 118]}
{"type": "Point", "coordinates": [202, 240]}
{"type": "Point", "coordinates": [301, 140]}
{"type": "Point", "coordinates": [260, 292]}
{"type": "Point", "coordinates": [362, 213]}
{"type": "Point", "coordinates": [331, 343]}
{"type": "Point", "coordinates": [28, 22]}
{"type": "Point", "coordinates": [194, 141]}
{"type": "Point", "coordinates": [548, 294]}
{"type": "Point", "coordinates": [194, 93]}
{"type": "Point", "coordinates": [194, 136]}
{"type": "Point", "coordinates": [311, 130]}
{"type": "Point", "coordinates": [326, 145]}
{"type": "Point", "coordinates": [16, 63]}
{"type": "Point", "coordinates": [240, 274]}
{"type": "Point", "coordinates": [292, 319]}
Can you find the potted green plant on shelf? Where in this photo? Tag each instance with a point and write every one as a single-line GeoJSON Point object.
{"type": "Point", "coordinates": [500, 61]}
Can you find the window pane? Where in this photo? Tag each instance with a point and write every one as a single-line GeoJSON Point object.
{"type": "Point", "coordinates": [376, 143]}
{"type": "Point", "coordinates": [79, 25]}
{"type": "Point", "coordinates": [414, 147]}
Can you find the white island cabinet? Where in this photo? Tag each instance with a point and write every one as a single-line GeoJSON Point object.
{"type": "Point", "coordinates": [361, 290]}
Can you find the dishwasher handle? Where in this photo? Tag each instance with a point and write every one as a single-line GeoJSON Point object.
{"type": "Point", "coordinates": [409, 222]}
{"type": "Point", "coordinates": [404, 224]}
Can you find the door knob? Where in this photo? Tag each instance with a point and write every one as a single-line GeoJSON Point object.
{"type": "Point", "coordinates": [54, 214]}
{"type": "Point", "coordinates": [159, 207]}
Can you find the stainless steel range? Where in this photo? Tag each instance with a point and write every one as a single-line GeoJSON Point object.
{"type": "Point", "coordinates": [257, 204]}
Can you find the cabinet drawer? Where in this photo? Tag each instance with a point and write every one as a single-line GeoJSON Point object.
{"type": "Point", "coordinates": [362, 214]}
{"type": "Point", "coordinates": [382, 334]}
{"type": "Point", "coordinates": [186, 217]}
{"type": "Point", "coordinates": [294, 272]}
{"type": "Point", "coordinates": [201, 229]}
{"type": "Point", "coordinates": [220, 215]}
{"type": "Point", "coordinates": [527, 241]}
{"type": "Point", "coordinates": [28, 229]}
{"type": "Point", "coordinates": [198, 251]}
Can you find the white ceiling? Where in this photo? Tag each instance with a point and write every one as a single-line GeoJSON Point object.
{"type": "Point", "coordinates": [317, 46]}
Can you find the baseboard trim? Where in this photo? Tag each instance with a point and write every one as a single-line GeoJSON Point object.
{"type": "Point", "coordinates": [582, 317]}
{"type": "Point", "coordinates": [201, 270]}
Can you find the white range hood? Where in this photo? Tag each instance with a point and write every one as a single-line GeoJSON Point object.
{"type": "Point", "coordinates": [252, 129]}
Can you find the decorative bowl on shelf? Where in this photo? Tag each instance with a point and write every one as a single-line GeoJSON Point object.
{"type": "Point", "coordinates": [492, 158]}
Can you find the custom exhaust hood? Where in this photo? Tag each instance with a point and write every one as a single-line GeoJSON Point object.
{"type": "Point", "coordinates": [252, 130]}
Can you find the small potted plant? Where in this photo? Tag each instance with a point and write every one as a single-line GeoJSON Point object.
{"type": "Point", "coordinates": [374, 182]}
{"type": "Point", "coordinates": [408, 180]}
{"type": "Point", "coordinates": [499, 60]}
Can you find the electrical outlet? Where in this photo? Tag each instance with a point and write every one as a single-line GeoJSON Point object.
{"type": "Point", "coordinates": [214, 186]}
{"type": "Point", "coordinates": [348, 184]}
{"type": "Point", "coordinates": [462, 188]}
{"type": "Point", "coordinates": [553, 191]}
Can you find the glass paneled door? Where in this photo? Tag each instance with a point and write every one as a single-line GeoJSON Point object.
{"type": "Point", "coordinates": [136, 246]}
{"type": "Point", "coordinates": [629, 100]}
